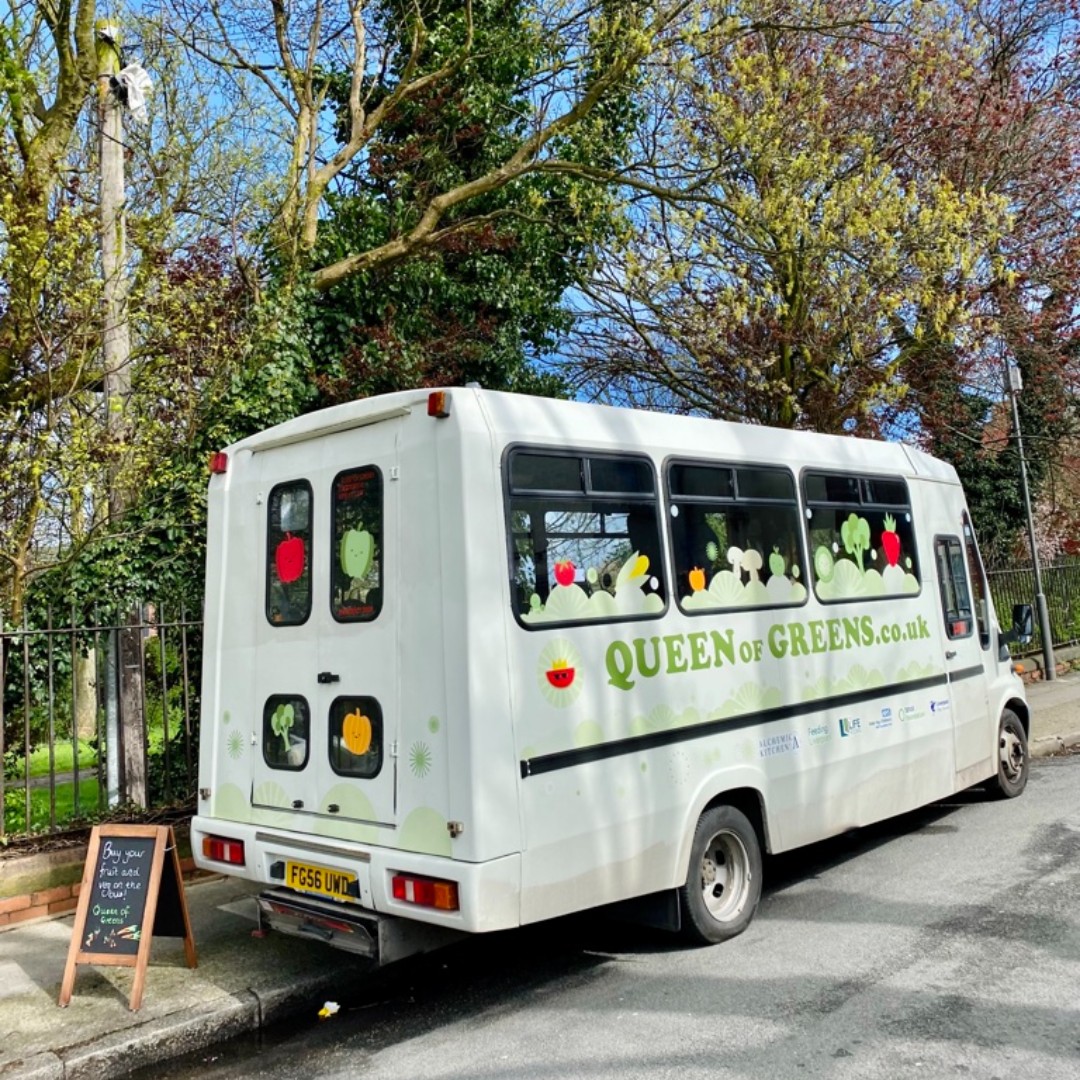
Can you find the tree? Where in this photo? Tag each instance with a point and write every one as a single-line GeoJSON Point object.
{"type": "Point", "coordinates": [293, 54]}
{"type": "Point", "coordinates": [477, 305]}
{"type": "Point", "coordinates": [783, 261]}
{"type": "Point", "coordinates": [1007, 123]}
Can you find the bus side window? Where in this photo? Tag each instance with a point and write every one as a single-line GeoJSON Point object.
{"type": "Point", "coordinates": [584, 537]}
{"type": "Point", "coordinates": [979, 588]}
{"type": "Point", "coordinates": [862, 537]}
{"type": "Point", "coordinates": [952, 578]}
{"type": "Point", "coordinates": [735, 537]}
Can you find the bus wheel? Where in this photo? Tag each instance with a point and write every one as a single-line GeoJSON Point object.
{"type": "Point", "coordinates": [724, 884]}
{"type": "Point", "coordinates": [1013, 759]}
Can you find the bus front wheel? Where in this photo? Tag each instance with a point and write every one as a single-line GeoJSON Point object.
{"type": "Point", "coordinates": [1012, 759]}
{"type": "Point", "coordinates": [723, 886]}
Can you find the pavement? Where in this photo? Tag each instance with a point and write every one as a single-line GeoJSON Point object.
{"type": "Point", "coordinates": [242, 982]}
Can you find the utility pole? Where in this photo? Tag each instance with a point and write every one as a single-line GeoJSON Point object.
{"type": "Point", "coordinates": [127, 641]}
{"type": "Point", "coordinates": [1013, 386]}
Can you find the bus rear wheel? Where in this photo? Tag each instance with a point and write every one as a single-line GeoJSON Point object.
{"type": "Point", "coordinates": [723, 886]}
{"type": "Point", "coordinates": [1013, 759]}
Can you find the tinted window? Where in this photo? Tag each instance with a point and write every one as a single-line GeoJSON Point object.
{"type": "Point", "coordinates": [288, 554]}
{"type": "Point", "coordinates": [860, 551]}
{"type": "Point", "coordinates": [735, 552]}
{"type": "Point", "coordinates": [703, 481]}
{"type": "Point", "coordinates": [952, 578]}
{"type": "Point", "coordinates": [356, 737]}
{"type": "Point", "coordinates": [591, 555]}
{"type": "Point", "coordinates": [545, 472]}
{"type": "Point", "coordinates": [830, 488]}
{"type": "Point", "coordinates": [356, 545]}
{"type": "Point", "coordinates": [286, 732]}
{"type": "Point", "coordinates": [623, 475]}
{"type": "Point", "coordinates": [885, 492]}
{"type": "Point", "coordinates": [765, 484]}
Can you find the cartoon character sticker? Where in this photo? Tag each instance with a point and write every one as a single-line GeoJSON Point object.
{"type": "Point", "coordinates": [558, 673]}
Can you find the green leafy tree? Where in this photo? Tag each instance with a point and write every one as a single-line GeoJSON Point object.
{"type": "Point", "coordinates": [781, 248]}
{"type": "Point", "coordinates": [479, 304]}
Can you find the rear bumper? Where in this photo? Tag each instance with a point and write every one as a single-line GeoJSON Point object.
{"type": "Point", "coordinates": [489, 893]}
{"type": "Point", "coordinates": [382, 938]}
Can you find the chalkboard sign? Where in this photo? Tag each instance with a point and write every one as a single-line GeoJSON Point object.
{"type": "Point", "coordinates": [131, 891]}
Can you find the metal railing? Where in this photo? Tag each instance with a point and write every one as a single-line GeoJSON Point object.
{"type": "Point", "coordinates": [1061, 585]}
{"type": "Point", "coordinates": [61, 722]}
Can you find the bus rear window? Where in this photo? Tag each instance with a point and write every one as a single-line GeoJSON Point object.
{"type": "Point", "coordinates": [356, 545]}
{"type": "Point", "coordinates": [288, 554]}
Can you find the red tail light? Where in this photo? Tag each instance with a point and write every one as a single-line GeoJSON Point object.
{"type": "Point", "coordinates": [221, 850]}
{"type": "Point", "coordinates": [425, 892]}
{"type": "Point", "coordinates": [219, 463]}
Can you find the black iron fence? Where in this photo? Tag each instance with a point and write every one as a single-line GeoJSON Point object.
{"type": "Point", "coordinates": [1061, 585]}
{"type": "Point", "coordinates": [77, 707]}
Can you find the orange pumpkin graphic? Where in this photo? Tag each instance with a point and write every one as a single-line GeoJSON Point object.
{"type": "Point", "coordinates": [697, 579]}
{"type": "Point", "coordinates": [356, 731]}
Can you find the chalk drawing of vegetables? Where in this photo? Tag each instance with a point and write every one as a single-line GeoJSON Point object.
{"type": "Point", "coordinates": [855, 533]}
{"type": "Point", "coordinates": [281, 723]}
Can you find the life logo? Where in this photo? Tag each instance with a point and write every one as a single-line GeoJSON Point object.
{"type": "Point", "coordinates": [850, 725]}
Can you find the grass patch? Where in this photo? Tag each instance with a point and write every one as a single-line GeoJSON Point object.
{"type": "Point", "coordinates": [63, 758]}
{"type": "Point", "coordinates": [15, 806]}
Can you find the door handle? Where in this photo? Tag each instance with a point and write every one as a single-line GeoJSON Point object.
{"type": "Point", "coordinates": [328, 677]}
{"type": "Point", "coordinates": [949, 655]}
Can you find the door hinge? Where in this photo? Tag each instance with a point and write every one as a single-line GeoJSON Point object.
{"type": "Point", "coordinates": [392, 749]}
{"type": "Point", "coordinates": [395, 472]}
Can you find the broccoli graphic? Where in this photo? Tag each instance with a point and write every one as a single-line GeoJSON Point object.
{"type": "Point", "coordinates": [855, 532]}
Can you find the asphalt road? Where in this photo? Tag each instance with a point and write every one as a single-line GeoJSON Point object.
{"type": "Point", "coordinates": [942, 944]}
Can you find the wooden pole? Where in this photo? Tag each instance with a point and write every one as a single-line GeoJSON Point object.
{"type": "Point", "coordinates": [117, 356]}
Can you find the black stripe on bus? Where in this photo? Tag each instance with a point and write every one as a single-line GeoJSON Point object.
{"type": "Point", "coordinates": [966, 673]}
{"type": "Point", "coordinates": [566, 759]}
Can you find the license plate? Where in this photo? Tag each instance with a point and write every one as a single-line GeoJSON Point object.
{"type": "Point", "coordinates": [305, 877]}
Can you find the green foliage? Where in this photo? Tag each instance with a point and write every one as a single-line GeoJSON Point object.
{"type": "Point", "coordinates": [488, 298]}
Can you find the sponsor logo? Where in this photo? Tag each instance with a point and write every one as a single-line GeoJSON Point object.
{"type": "Point", "coordinates": [819, 733]}
{"type": "Point", "coordinates": [883, 721]}
{"type": "Point", "coordinates": [939, 706]}
{"type": "Point", "coordinates": [772, 745]}
{"type": "Point", "coordinates": [910, 712]}
{"type": "Point", "coordinates": [850, 725]}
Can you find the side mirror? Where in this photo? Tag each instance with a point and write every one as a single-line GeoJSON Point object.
{"type": "Point", "coordinates": [1023, 627]}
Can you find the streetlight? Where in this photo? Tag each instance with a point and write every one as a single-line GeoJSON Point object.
{"type": "Point", "coordinates": [1014, 384]}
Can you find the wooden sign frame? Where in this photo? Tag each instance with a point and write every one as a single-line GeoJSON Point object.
{"type": "Point", "coordinates": [165, 867]}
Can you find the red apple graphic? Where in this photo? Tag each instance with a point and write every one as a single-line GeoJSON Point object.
{"type": "Point", "coordinates": [289, 558]}
{"type": "Point", "coordinates": [564, 572]}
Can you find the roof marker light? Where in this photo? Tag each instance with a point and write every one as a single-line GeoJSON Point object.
{"type": "Point", "coordinates": [438, 404]}
{"type": "Point", "coordinates": [219, 463]}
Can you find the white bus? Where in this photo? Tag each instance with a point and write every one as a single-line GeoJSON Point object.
{"type": "Point", "coordinates": [474, 660]}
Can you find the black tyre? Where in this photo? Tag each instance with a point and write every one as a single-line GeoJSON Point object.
{"type": "Point", "coordinates": [1013, 760]}
{"type": "Point", "coordinates": [723, 886]}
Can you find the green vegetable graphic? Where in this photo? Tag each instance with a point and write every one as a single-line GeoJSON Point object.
{"type": "Point", "coordinates": [823, 563]}
{"type": "Point", "coordinates": [855, 533]}
{"type": "Point", "coordinates": [357, 549]}
{"type": "Point", "coordinates": [281, 723]}
{"type": "Point", "coordinates": [776, 562]}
